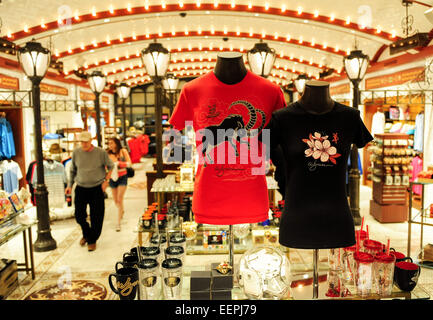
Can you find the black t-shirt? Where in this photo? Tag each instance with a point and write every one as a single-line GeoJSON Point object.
{"type": "Point", "coordinates": [316, 149]}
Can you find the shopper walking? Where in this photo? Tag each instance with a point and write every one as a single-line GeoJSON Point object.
{"type": "Point", "coordinates": [90, 170]}
{"type": "Point", "coordinates": [121, 159]}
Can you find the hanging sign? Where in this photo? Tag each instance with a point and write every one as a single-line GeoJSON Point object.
{"type": "Point", "coordinates": [87, 96]}
{"type": "Point", "coordinates": [341, 89]}
{"type": "Point", "coordinates": [105, 99]}
{"type": "Point", "coordinates": [49, 88]}
{"type": "Point", "coordinates": [7, 82]}
{"type": "Point", "coordinates": [395, 78]}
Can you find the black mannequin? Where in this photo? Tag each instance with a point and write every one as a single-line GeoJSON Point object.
{"type": "Point", "coordinates": [230, 67]}
{"type": "Point", "coordinates": [316, 98]}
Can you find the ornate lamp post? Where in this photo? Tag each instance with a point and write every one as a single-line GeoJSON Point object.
{"type": "Point", "coordinates": [156, 59]}
{"type": "Point", "coordinates": [261, 59]}
{"type": "Point", "coordinates": [300, 83]}
{"type": "Point", "coordinates": [35, 60]}
{"type": "Point", "coordinates": [97, 82]}
{"type": "Point", "coordinates": [355, 64]}
{"type": "Point", "coordinates": [170, 84]}
{"type": "Point", "coordinates": [123, 91]}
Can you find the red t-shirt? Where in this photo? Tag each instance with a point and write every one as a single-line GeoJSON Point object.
{"type": "Point", "coordinates": [227, 191]}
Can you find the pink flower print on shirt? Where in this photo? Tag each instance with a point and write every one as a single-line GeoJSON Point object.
{"type": "Point", "coordinates": [320, 148]}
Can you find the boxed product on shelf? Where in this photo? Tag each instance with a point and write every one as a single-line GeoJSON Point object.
{"type": "Point", "coordinates": [265, 236]}
{"type": "Point", "coordinates": [8, 277]}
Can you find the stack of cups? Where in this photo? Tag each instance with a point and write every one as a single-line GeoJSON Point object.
{"type": "Point", "coordinates": [335, 274]}
{"type": "Point", "coordinates": [149, 279]}
{"type": "Point", "coordinates": [348, 265]}
{"type": "Point", "coordinates": [383, 270]}
{"type": "Point", "coordinates": [363, 273]}
{"type": "Point", "coordinates": [172, 278]}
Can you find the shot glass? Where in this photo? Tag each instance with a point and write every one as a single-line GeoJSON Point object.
{"type": "Point", "coordinates": [364, 273]}
{"type": "Point", "coordinates": [172, 279]}
{"type": "Point", "coordinates": [383, 272]}
{"type": "Point", "coordinates": [178, 240]}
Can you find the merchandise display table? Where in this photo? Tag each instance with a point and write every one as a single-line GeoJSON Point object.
{"type": "Point", "coordinates": [7, 233]}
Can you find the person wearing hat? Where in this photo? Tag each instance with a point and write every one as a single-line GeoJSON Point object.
{"type": "Point", "coordinates": [90, 170]}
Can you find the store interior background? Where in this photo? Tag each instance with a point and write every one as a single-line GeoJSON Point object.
{"type": "Point", "coordinates": [309, 38]}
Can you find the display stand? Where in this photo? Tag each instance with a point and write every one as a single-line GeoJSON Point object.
{"type": "Point", "coordinates": [391, 176]}
{"type": "Point", "coordinates": [424, 219]}
{"type": "Point", "coordinates": [315, 274]}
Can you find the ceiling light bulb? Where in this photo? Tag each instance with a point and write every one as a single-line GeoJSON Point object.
{"type": "Point", "coordinates": [250, 5]}
{"type": "Point", "coordinates": [348, 20]}
{"type": "Point", "coordinates": [215, 4]}
{"type": "Point", "coordinates": [163, 5]}
{"type": "Point", "coordinates": [313, 42]}
{"type": "Point", "coordinates": [266, 6]}
{"type": "Point", "coordinates": [111, 9]}
{"type": "Point", "coordinates": [128, 7]}
{"type": "Point", "coordinates": [198, 3]}
{"type": "Point", "coordinates": [300, 10]}
{"type": "Point", "coordinates": [181, 4]}
{"type": "Point", "coordinates": [300, 40]}
{"type": "Point", "coordinates": [233, 4]}
{"type": "Point", "coordinates": [332, 17]}
{"type": "Point", "coordinates": [316, 13]}
{"type": "Point", "coordinates": [283, 8]}
{"type": "Point", "coordinates": [93, 11]}
{"type": "Point", "coordinates": [276, 36]}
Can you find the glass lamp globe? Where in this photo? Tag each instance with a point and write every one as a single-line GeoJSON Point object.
{"type": "Point", "coordinates": [170, 83]}
{"type": "Point", "coordinates": [97, 81]}
{"type": "Point", "coordinates": [261, 59]}
{"type": "Point", "coordinates": [123, 90]}
{"type": "Point", "coordinates": [264, 273]}
{"type": "Point", "coordinates": [155, 59]}
{"type": "Point", "coordinates": [300, 82]}
{"type": "Point", "coordinates": [34, 60]}
{"type": "Point", "coordinates": [356, 64]}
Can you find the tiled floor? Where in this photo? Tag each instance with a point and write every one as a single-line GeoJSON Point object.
{"type": "Point", "coordinates": [70, 261]}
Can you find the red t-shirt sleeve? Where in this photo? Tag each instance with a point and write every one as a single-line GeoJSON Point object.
{"type": "Point", "coordinates": [281, 101]}
{"type": "Point", "coordinates": [182, 112]}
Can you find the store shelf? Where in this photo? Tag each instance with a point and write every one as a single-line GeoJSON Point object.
{"type": "Point", "coordinates": [9, 218]}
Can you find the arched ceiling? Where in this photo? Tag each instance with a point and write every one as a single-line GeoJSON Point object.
{"type": "Point", "coordinates": [308, 36]}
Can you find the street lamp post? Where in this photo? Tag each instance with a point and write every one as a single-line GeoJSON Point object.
{"type": "Point", "coordinates": [97, 82]}
{"type": "Point", "coordinates": [35, 60]}
{"type": "Point", "coordinates": [156, 59]}
{"type": "Point", "coordinates": [170, 84]}
{"type": "Point", "coordinates": [355, 64]}
{"type": "Point", "coordinates": [123, 91]}
{"type": "Point", "coordinates": [261, 59]}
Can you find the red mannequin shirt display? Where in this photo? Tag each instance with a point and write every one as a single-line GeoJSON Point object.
{"type": "Point", "coordinates": [315, 149]}
{"type": "Point", "coordinates": [227, 193]}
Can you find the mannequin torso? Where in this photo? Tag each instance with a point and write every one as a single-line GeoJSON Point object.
{"type": "Point", "coordinates": [230, 67]}
{"type": "Point", "coordinates": [316, 98]}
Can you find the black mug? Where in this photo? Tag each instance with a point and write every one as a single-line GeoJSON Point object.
{"type": "Point", "coordinates": [399, 257]}
{"type": "Point", "coordinates": [133, 252]}
{"type": "Point", "coordinates": [130, 261]}
{"type": "Point", "coordinates": [406, 275]}
{"type": "Point", "coordinates": [126, 283]}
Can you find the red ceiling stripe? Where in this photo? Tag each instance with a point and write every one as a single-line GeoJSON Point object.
{"type": "Point", "coordinates": [289, 70]}
{"type": "Point", "coordinates": [134, 56]}
{"type": "Point", "coordinates": [203, 7]}
{"type": "Point", "coordinates": [104, 44]}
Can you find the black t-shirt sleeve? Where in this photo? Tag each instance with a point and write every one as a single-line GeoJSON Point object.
{"type": "Point", "coordinates": [362, 136]}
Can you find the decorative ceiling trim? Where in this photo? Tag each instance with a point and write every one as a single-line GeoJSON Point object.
{"type": "Point", "coordinates": [344, 24]}
{"type": "Point", "coordinates": [193, 50]}
{"type": "Point", "coordinates": [229, 34]}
